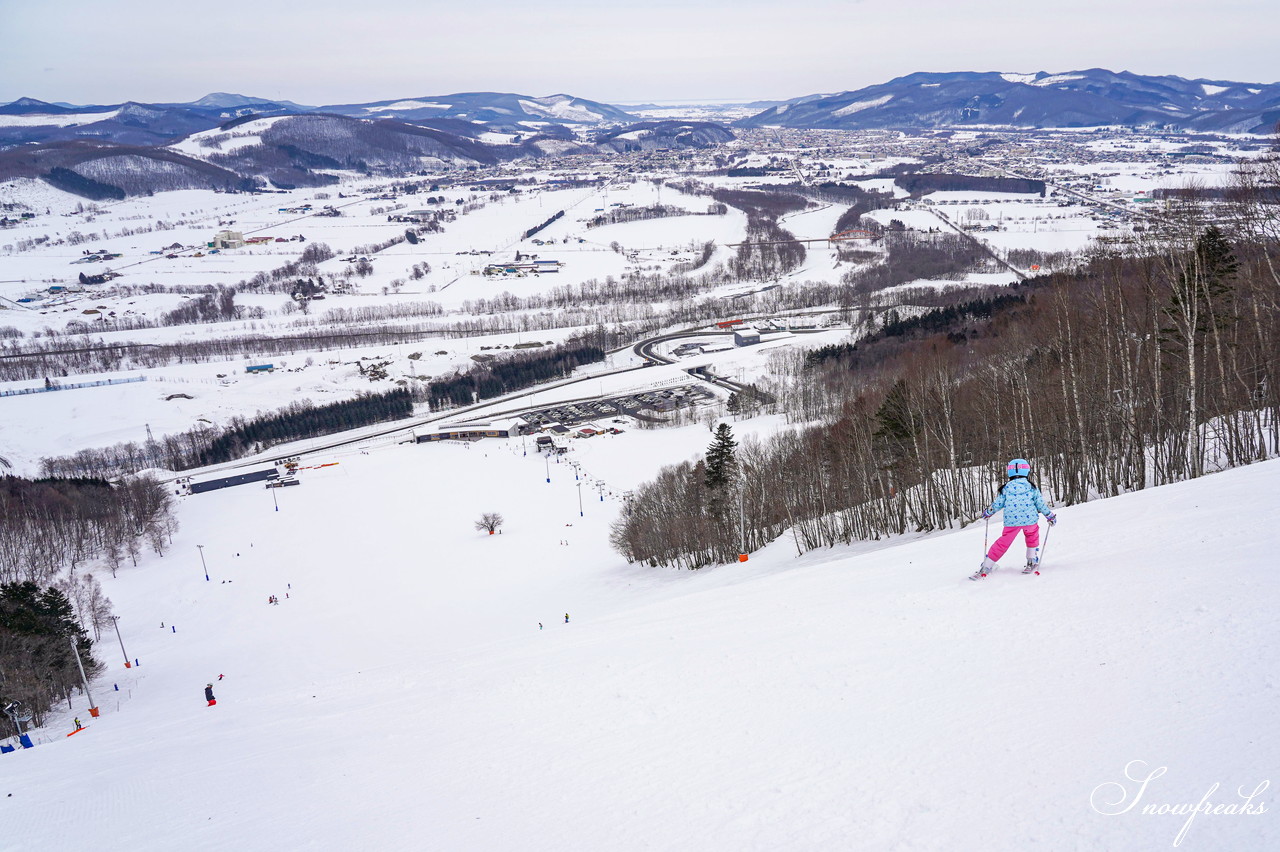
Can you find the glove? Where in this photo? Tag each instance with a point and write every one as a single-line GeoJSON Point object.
{"type": "Point", "coordinates": [987, 513]}
{"type": "Point", "coordinates": [1052, 519]}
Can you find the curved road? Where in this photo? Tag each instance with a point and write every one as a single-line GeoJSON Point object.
{"type": "Point", "coordinates": [644, 349]}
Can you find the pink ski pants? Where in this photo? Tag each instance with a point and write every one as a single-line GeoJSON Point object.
{"type": "Point", "coordinates": [1031, 531]}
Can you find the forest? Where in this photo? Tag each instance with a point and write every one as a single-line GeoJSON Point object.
{"type": "Point", "coordinates": [53, 529]}
{"type": "Point", "coordinates": [37, 663]}
{"type": "Point", "coordinates": [59, 524]}
{"type": "Point", "coordinates": [510, 374]}
{"type": "Point", "coordinates": [919, 184]}
{"type": "Point", "coordinates": [1148, 365]}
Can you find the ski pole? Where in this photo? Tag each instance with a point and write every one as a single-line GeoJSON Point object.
{"type": "Point", "coordinates": [1044, 548]}
{"type": "Point", "coordinates": [986, 534]}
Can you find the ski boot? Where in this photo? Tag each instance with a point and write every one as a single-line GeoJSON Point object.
{"type": "Point", "coordinates": [984, 569]}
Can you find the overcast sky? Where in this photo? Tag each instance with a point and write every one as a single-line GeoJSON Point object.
{"type": "Point", "coordinates": [329, 52]}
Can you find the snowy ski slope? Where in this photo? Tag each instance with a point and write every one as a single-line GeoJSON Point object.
{"type": "Point", "coordinates": [402, 695]}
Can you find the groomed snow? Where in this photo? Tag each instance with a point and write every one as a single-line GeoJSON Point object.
{"type": "Point", "coordinates": [560, 107]}
{"type": "Point", "coordinates": [1055, 79]}
{"type": "Point", "coordinates": [403, 696]}
{"type": "Point", "coordinates": [399, 105]}
{"type": "Point", "coordinates": [70, 119]}
{"type": "Point", "coordinates": [859, 106]}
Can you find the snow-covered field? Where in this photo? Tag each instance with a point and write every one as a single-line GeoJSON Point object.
{"type": "Point", "coordinates": [418, 686]}
{"type": "Point", "coordinates": [488, 228]}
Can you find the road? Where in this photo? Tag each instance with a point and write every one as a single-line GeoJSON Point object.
{"type": "Point", "coordinates": [979, 243]}
{"type": "Point", "coordinates": [486, 410]}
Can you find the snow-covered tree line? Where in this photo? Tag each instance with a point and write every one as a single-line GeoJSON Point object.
{"type": "Point", "coordinates": [57, 525]}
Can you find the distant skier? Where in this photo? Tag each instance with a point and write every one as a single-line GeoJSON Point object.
{"type": "Point", "coordinates": [208, 694]}
{"type": "Point", "coordinates": [78, 725]}
{"type": "Point", "coordinates": [566, 618]}
{"type": "Point", "coordinates": [1023, 504]}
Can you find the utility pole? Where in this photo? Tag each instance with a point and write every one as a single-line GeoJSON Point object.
{"type": "Point", "coordinates": [115, 622]}
{"type": "Point", "coordinates": [742, 513]}
{"type": "Point", "coordinates": [93, 708]}
{"type": "Point", "coordinates": [200, 547]}
{"type": "Point", "coordinates": [580, 515]}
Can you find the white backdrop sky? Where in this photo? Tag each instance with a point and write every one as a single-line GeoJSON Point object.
{"type": "Point", "coordinates": [335, 51]}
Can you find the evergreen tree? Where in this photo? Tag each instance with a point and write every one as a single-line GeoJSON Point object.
{"type": "Point", "coordinates": [1201, 299]}
{"type": "Point", "coordinates": [722, 460]}
{"type": "Point", "coordinates": [35, 658]}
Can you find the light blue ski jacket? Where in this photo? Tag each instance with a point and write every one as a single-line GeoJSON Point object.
{"type": "Point", "coordinates": [1022, 502]}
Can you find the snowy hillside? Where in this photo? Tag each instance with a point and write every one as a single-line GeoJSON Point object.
{"type": "Point", "coordinates": [403, 696]}
{"type": "Point", "coordinates": [1087, 98]}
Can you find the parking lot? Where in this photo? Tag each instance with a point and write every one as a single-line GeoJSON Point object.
{"type": "Point", "coordinates": [641, 405]}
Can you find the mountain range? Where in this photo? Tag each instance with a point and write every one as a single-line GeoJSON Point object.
{"type": "Point", "coordinates": [29, 120]}
{"type": "Point", "coordinates": [1091, 98]}
{"type": "Point", "coordinates": [232, 141]}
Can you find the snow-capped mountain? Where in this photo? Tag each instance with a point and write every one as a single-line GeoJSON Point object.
{"type": "Point", "coordinates": [1088, 98]}
{"type": "Point", "coordinates": [228, 100]}
{"type": "Point", "coordinates": [28, 120]}
{"type": "Point", "coordinates": [488, 108]}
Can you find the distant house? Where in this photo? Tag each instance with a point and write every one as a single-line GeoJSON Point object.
{"type": "Point", "coordinates": [228, 240]}
{"type": "Point", "coordinates": [746, 337]}
{"type": "Point", "coordinates": [260, 368]}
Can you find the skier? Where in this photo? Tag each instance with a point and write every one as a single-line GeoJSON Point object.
{"type": "Point", "coordinates": [1023, 504]}
{"type": "Point", "coordinates": [566, 618]}
{"type": "Point", "coordinates": [208, 694]}
{"type": "Point", "coordinates": [78, 725]}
